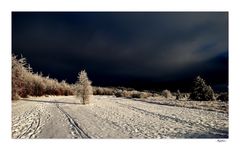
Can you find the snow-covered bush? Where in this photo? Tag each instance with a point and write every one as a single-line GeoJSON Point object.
{"type": "Point", "coordinates": [167, 93]}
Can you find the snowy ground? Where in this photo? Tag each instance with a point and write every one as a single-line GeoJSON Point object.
{"type": "Point", "coordinates": [111, 117]}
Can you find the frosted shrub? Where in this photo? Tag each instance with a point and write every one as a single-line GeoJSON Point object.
{"type": "Point", "coordinates": [223, 97]}
{"type": "Point", "coordinates": [126, 94]}
{"type": "Point", "coordinates": [179, 95]}
{"type": "Point", "coordinates": [118, 93]}
{"type": "Point", "coordinates": [167, 93]}
{"type": "Point", "coordinates": [103, 91]}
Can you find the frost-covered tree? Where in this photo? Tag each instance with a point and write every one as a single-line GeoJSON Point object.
{"type": "Point", "coordinates": [201, 91]}
{"type": "Point", "coordinates": [19, 71]}
{"type": "Point", "coordinates": [83, 87]}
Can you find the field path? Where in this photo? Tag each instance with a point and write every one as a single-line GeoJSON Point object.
{"type": "Point", "coordinates": [111, 117]}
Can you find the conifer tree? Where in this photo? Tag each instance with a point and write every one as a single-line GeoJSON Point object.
{"type": "Point", "coordinates": [83, 87]}
{"type": "Point", "coordinates": [201, 91]}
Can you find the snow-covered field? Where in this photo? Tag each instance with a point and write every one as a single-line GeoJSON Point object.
{"type": "Point", "coordinates": [111, 117]}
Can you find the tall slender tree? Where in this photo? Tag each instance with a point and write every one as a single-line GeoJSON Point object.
{"type": "Point", "coordinates": [83, 87]}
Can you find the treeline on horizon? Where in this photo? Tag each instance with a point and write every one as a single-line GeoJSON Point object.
{"type": "Point", "coordinates": [27, 83]}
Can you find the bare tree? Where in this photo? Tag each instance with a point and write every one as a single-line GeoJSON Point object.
{"type": "Point", "coordinates": [83, 87]}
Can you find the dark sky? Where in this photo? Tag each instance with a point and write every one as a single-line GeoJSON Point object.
{"type": "Point", "coordinates": [140, 50]}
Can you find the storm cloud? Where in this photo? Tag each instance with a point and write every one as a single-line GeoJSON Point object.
{"type": "Point", "coordinates": [136, 49]}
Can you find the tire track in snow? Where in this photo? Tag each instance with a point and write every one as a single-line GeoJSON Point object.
{"type": "Point", "coordinates": [79, 133]}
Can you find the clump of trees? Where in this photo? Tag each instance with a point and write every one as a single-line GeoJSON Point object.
{"type": "Point", "coordinates": [84, 89]}
{"type": "Point", "coordinates": [26, 83]}
{"type": "Point", "coordinates": [201, 91]}
{"type": "Point", "coordinates": [132, 94]}
{"type": "Point", "coordinates": [103, 91]}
